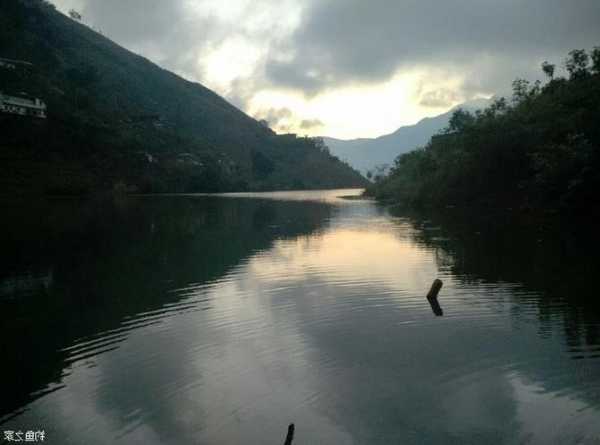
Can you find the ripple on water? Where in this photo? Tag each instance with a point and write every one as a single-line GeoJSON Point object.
{"type": "Point", "coordinates": [330, 329]}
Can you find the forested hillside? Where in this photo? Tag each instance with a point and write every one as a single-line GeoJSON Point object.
{"type": "Point", "coordinates": [538, 150]}
{"type": "Point", "coordinates": [118, 121]}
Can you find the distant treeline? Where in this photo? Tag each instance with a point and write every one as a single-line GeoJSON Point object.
{"type": "Point", "coordinates": [539, 150]}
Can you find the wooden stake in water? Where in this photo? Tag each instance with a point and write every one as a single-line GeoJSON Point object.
{"type": "Point", "coordinates": [290, 435]}
{"type": "Point", "coordinates": [432, 297]}
{"type": "Point", "coordinates": [435, 289]}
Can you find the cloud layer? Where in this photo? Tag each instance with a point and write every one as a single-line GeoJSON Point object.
{"type": "Point", "coordinates": [307, 49]}
{"type": "Point", "coordinates": [355, 41]}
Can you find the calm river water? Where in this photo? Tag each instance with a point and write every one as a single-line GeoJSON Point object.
{"type": "Point", "coordinates": [222, 319]}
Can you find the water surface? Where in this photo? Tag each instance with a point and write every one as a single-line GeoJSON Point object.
{"type": "Point", "coordinates": [221, 319]}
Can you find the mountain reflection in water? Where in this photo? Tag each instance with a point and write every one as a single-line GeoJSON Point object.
{"type": "Point", "coordinates": [222, 319]}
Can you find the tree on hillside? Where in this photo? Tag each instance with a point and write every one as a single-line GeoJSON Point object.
{"type": "Point", "coordinates": [595, 55]}
{"type": "Point", "coordinates": [577, 64]}
{"type": "Point", "coordinates": [320, 145]}
{"type": "Point", "coordinates": [262, 165]}
{"type": "Point", "coordinates": [380, 172]}
{"type": "Point", "coordinates": [523, 90]}
{"type": "Point", "coordinates": [460, 120]}
{"type": "Point", "coordinates": [540, 151]}
{"type": "Point", "coordinates": [548, 69]}
{"type": "Point", "coordinates": [75, 15]}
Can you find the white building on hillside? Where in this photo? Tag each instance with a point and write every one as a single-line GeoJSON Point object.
{"type": "Point", "coordinates": [22, 105]}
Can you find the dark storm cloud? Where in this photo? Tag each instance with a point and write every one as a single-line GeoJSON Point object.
{"type": "Point", "coordinates": [353, 40]}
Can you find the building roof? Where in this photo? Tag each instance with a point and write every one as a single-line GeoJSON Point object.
{"type": "Point", "coordinates": [23, 101]}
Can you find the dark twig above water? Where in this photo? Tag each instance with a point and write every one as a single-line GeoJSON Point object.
{"type": "Point", "coordinates": [432, 297]}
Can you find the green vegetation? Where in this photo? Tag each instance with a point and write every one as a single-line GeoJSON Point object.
{"type": "Point", "coordinates": [538, 151]}
{"type": "Point", "coordinates": [118, 122]}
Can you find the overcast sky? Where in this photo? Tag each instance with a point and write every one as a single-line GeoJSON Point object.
{"type": "Point", "coordinates": [348, 68]}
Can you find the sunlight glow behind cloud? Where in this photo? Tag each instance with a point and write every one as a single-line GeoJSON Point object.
{"type": "Point", "coordinates": [349, 111]}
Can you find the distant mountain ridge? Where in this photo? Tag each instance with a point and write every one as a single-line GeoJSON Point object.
{"type": "Point", "coordinates": [117, 120]}
{"type": "Point", "coordinates": [366, 153]}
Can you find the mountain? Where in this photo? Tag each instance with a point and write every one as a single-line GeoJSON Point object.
{"type": "Point", "coordinates": [117, 121]}
{"type": "Point", "coordinates": [366, 154]}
